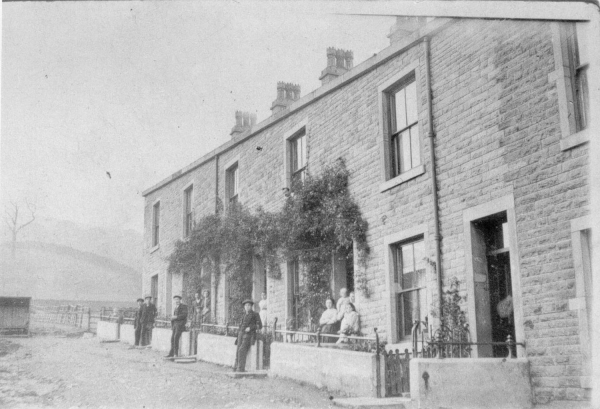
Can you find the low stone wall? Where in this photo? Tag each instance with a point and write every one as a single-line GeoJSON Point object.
{"type": "Point", "coordinates": [466, 383]}
{"type": "Point", "coordinates": [161, 341]}
{"type": "Point", "coordinates": [127, 334]}
{"type": "Point", "coordinates": [221, 350]}
{"type": "Point", "coordinates": [108, 331]}
{"type": "Point", "coordinates": [350, 372]}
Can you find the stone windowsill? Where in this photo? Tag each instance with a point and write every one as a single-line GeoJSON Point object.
{"type": "Point", "coordinates": [574, 140]}
{"type": "Point", "coordinates": [403, 177]}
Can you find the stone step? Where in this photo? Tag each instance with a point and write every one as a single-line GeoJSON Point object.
{"type": "Point", "coordinates": [249, 374]}
{"type": "Point", "coordinates": [375, 403]}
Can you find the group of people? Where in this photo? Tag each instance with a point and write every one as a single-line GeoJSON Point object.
{"type": "Point", "coordinates": [340, 318]}
{"type": "Point", "coordinates": [250, 324]}
{"type": "Point", "coordinates": [144, 321]}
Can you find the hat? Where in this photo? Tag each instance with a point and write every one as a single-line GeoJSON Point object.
{"type": "Point", "coordinates": [148, 296]}
{"type": "Point", "coordinates": [247, 301]}
{"type": "Point", "coordinates": [177, 296]}
{"type": "Point", "coordinates": [140, 299]}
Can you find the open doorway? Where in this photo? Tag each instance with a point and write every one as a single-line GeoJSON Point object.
{"type": "Point", "coordinates": [492, 284]}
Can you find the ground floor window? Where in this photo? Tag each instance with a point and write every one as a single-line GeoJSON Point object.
{"type": "Point", "coordinates": [409, 280]}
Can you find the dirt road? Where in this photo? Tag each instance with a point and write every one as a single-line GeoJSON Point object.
{"type": "Point", "coordinates": [74, 372]}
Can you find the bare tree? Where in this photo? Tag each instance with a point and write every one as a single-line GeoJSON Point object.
{"type": "Point", "coordinates": [11, 219]}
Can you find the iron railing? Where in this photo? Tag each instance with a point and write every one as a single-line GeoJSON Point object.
{"type": "Point", "coordinates": [454, 342]}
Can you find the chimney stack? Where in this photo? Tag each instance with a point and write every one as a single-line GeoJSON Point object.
{"type": "Point", "coordinates": [287, 93]}
{"type": "Point", "coordinates": [244, 121]}
{"type": "Point", "coordinates": [404, 27]}
{"type": "Point", "coordinates": [338, 63]}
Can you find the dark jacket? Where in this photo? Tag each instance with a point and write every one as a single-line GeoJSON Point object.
{"type": "Point", "coordinates": [148, 314]}
{"type": "Point", "coordinates": [250, 320]}
{"type": "Point", "coordinates": [139, 313]}
{"type": "Point", "coordinates": [181, 314]}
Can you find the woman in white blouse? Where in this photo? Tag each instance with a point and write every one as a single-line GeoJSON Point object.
{"type": "Point", "coordinates": [350, 325]}
{"type": "Point", "coordinates": [328, 321]}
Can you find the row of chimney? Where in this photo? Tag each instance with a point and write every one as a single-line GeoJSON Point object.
{"type": "Point", "coordinates": [338, 63]}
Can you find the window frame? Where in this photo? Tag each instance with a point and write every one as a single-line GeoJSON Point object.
{"type": "Point", "coordinates": [405, 236]}
{"type": "Point", "coordinates": [232, 182]}
{"type": "Point", "coordinates": [188, 210]}
{"type": "Point", "coordinates": [572, 65]}
{"type": "Point", "coordinates": [385, 90]}
{"type": "Point", "coordinates": [400, 290]}
{"type": "Point", "coordinates": [581, 230]}
{"type": "Point", "coordinates": [289, 137]}
{"type": "Point", "coordinates": [155, 225]}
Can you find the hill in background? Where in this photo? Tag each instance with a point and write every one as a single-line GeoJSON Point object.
{"type": "Point", "coordinates": [64, 261]}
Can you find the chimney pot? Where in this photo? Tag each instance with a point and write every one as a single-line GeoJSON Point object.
{"type": "Point", "coordinates": [243, 123]}
{"type": "Point", "coordinates": [287, 93]}
{"type": "Point", "coordinates": [339, 62]}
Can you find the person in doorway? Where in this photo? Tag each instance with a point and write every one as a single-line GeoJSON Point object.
{"type": "Point", "coordinates": [246, 335]}
{"type": "Point", "coordinates": [350, 325]}
{"type": "Point", "coordinates": [178, 321]}
{"type": "Point", "coordinates": [148, 317]}
{"type": "Point", "coordinates": [137, 322]}
{"type": "Point", "coordinates": [197, 307]}
{"type": "Point", "coordinates": [205, 306]}
{"type": "Point", "coordinates": [262, 304]}
{"type": "Point", "coordinates": [341, 303]}
{"type": "Point", "coordinates": [328, 322]}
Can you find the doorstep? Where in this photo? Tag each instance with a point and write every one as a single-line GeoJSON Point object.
{"type": "Point", "coordinates": [248, 374]}
{"type": "Point", "coordinates": [367, 403]}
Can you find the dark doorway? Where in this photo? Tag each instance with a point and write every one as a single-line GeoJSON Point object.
{"type": "Point", "coordinates": [496, 322]}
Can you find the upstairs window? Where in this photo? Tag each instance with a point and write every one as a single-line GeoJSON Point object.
{"type": "Point", "coordinates": [578, 78]}
{"type": "Point", "coordinates": [405, 149]}
{"type": "Point", "coordinates": [298, 158]}
{"type": "Point", "coordinates": [188, 219]}
{"type": "Point", "coordinates": [155, 224]}
{"type": "Point", "coordinates": [232, 185]}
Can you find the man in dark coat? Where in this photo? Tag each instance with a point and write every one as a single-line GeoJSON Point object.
{"type": "Point", "coordinates": [246, 335]}
{"type": "Point", "coordinates": [178, 321]}
{"type": "Point", "coordinates": [148, 317]}
{"type": "Point", "coordinates": [137, 322]}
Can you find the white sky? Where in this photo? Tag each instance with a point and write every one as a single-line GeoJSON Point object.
{"type": "Point", "coordinates": [141, 89]}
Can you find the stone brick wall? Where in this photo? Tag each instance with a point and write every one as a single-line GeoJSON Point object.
{"type": "Point", "coordinates": [497, 133]}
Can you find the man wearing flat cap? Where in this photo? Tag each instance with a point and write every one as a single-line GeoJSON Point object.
{"type": "Point", "coordinates": [178, 320]}
{"type": "Point", "coordinates": [246, 335]}
{"type": "Point", "coordinates": [148, 316]}
{"type": "Point", "coordinates": [137, 322]}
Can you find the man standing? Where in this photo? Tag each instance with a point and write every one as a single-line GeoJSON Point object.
{"type": "Point", "coordinates": [148, 317]}
{"type": "Point", "coordinates": [178, 320]}
{"type": "Point", "coordinates": [246, 335]}
{"type": "Point", "coordinates": [197, 307]}
{"type": "Point", "coordinates": [137, 322]}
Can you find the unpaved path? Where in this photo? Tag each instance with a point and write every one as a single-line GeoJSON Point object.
{"type": "Point", "coordinates": [75, 372]}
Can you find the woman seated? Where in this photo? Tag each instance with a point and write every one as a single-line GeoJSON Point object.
{"type": "Point", "coordinates": [328, 322]}
{"type": "Point", "coordinates": [350, 324]}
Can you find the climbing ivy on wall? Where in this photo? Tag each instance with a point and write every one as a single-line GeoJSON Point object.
{"type": "Point", "coordinates": [319, 219]}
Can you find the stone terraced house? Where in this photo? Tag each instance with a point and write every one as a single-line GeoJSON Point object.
{"type": "Point", "coordinates": [468, 146]}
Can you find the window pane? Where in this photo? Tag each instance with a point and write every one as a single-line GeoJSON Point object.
{"type": "Point", "coordinates": [405, 163]}
{"type": "Point", "coordinates": [301, 151]}
{"type": "Point", "coordinates": [413, 309]}
{"type": "Point", "coordinates": [395, 151]}
{"type": "Point", "coordinates": [419, 257]}
{"type": "Point", "coordinates": [294, 155]}
{"type": "Point", "coordinates": [415, 146]}
{"type": "Point", "coordinates": [411, 103]}
{"type": "Point", "coordinates": [408, 264]}
{"type": "Point", "coordinates": [235, 181]}
{"type": "Point", "coordinates": [400, 114]}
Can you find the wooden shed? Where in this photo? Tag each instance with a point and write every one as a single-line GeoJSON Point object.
{"type": "Point", "coordinates": [14, 315]}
